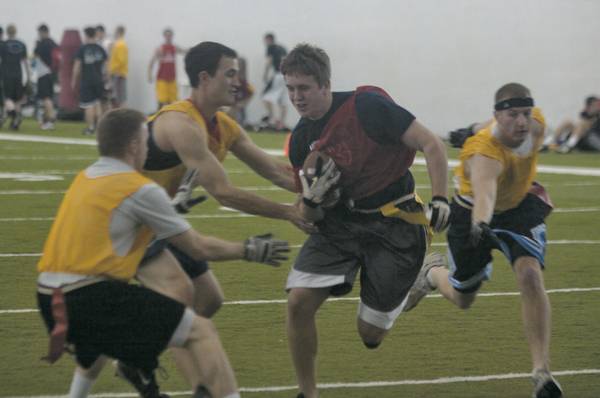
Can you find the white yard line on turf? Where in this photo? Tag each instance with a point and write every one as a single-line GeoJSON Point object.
{"type": "Point", "coordinates": [341, 299]}
{"type": "Point", "coordinates": [237, 214]}
{"type": "Point", "coordinates": [583, 171]}
{"type": "Point", "coordinates": [436, 244]}
{"type": "Point", "coordinates": [366, 384]}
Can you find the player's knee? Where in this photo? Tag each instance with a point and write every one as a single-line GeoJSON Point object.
{"type": "Point", "coordinates": [209, 306]}
{"type": "Point", "coordinates": [530, 279]}
{"type": "Point", "coordinates": [300, 305]}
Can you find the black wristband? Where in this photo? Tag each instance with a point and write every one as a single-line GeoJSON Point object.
{"type": "Point", "coordinates": [439, 198]}
{"type": "Point", "coordinates": [310, 203]}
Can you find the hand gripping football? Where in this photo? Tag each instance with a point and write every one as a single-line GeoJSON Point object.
{"type": "Point", "coordinates": [313, 167]}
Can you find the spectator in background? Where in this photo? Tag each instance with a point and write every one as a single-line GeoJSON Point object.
{"type": "Point", "coordinates": [14, 57]}
{"type": "Point", "coordinates": [106, 43]}
{"type": "Point", "coordinates": [569, 133]}
{"type": "Point", "coordinates": [89, 65]}
{"type": "Point", "coordinates": [44, 52]}
{"type": "Point", "coordinates": [166, 76]}
{"type": "Point", "coordinates": [243, 94]}
{"type": "Point", "coordinates": [117, 67]}
{"type": "Point", "coordinates": [274, 93]}
{"type": "Point", "coordinates": [2, 116]}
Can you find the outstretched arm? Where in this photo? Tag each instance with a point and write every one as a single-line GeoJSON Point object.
{"type": "Point", "coordinates": [190, 145]}
{"type": "Point", "coordinates": [262, 163]}
{"type": "Point", "coordinates": [483, 173]}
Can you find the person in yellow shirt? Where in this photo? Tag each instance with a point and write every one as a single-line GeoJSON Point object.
{"type": "Point", "coordinates": [498, 205]}
{"type": "Point", "coordinates": [118, 65]}
{"type": "Point", "coordinates": [100, 234]}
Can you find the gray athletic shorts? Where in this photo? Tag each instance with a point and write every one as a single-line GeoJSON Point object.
{"type": "Point", "coordinates": [389, 253]}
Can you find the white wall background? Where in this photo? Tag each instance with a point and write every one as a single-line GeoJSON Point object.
{"type": "Point", "coordinates": [441, 59]}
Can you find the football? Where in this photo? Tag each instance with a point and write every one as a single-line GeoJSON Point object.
{"type": "Point", "coordinates": [312, 168]}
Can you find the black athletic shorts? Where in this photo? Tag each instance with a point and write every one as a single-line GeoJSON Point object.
{"type": "Point", "coordinates": [120, 320]}
{"type": "Point", "coordinates": [388, 252]}
{"type": "Point", "coordinates": [192, 268]}
{"type": "Point", "coordinates": [90, 93]}
{"type": "Point", "coordinates": [13, 88]}
{"type": "Point", "coordinates": [522, 229]}
{"type": "Point", "coordinates": [45, 87]}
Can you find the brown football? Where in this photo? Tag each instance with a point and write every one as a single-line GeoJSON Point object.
{"type": "Point", "coordinates": [310, 170]}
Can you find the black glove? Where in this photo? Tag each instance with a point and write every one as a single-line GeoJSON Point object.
{"type": "Point", "coordinates": [481, 232]}
{"type": "Point", "coordinates": [183, 201]}
{"type": "Point", "coordinates": [459, 136]}
{"type": "Point", "coordinates": [439, 213]}
{"type": "Point", "coordinates": [265, 249]}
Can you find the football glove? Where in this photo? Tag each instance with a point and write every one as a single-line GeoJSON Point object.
{"type": "Point", "coordinates": [264, 249]}
{"type": "Point", "coordinates": [480, 233]}
{"type": "Point", "coordinates": [438, 213]}
{"type": "Point", "coordinates": [459, 136]}
{"type": "Point", "coordinates": [326, 176]}
{"type": "Point", "coordinates": [183, 201]}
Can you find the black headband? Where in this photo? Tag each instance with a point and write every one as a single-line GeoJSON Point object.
{"type": "Point", "coordinates": [513, 103]}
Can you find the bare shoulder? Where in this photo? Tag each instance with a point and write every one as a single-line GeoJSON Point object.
{"type": "Point", "coordinates": [172, 129]}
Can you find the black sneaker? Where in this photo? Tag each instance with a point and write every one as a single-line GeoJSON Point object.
{"type": "Point", "coordinates": [201, 392]}
{"type": "Point", "coordinates": [144, 382]}
{"type": "Point", "coordinates": [300, 395]}
{"type": "Point", "coordinates": [545, 386]}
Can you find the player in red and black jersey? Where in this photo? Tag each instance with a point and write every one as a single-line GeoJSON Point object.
{"type": "Point", "coordinates": [379, 226]}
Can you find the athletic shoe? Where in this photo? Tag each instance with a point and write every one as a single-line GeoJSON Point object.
{"type": "Point", "coordinates": [545, 386]}
{"type": "Point", "coordinates": [421, 287]}
{"type": "Point", "coordinates": [300, 395]}
{"type": "Point", "coordinates": [88, 131]}
{"type": "Point", "coordinates": [144, 382]}
{"type": "Point", "coordinates": [201, 392]}
{"type": "Point", "coordinates": [563, 149]}
{"type": "Point", "coordinates": [47, 126]}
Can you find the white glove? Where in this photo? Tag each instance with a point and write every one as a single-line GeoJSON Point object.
{"type": "Point", "coordinates": [438, 213]}
{"type": "Point", "coordinates": [265, 249]}
{"type": "Point", "coordinates": [183, 201]}
{"type": "Point", "coordinates": [313, 192]}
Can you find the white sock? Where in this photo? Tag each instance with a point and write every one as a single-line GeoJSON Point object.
{"type": "Point", "coordinates": [80, 386]}
{"type": "Point", "coordinates": [572, 141]}
{"type": "Point", "coordinates": [234, 395]}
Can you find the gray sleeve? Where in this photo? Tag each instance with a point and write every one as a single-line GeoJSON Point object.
{"type": "Point", "coordinates": [151, 206]}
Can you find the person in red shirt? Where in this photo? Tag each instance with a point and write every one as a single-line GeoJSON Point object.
{"type": "Point", "coordinates": [166, 76]}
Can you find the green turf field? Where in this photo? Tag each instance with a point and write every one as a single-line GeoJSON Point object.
{"type": "Point", "coordinates": [435, 351]}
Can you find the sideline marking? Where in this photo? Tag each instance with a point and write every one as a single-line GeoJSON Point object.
{"type": "Point", "coordinates": [582, 171]}
{"type": "Point", "coordinates": [366, 384]}
{"type": "Point", "coordinates": [336, 299]}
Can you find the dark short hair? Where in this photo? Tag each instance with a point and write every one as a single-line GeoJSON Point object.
{"type": "Point", "coordinates": [100, 28]}
{"type": "Point", "coordinates": [511, 90]}
{"type": "Point", "coordinates": [205, 57]}
{"type": "Point", "coordinates": [1, 30]}
{"type": "Point", "coordinates": [117, 129]}
{"type": "Point", "coordinates": [89, 32]}
{"type": "Point", "coordinates": [308, 60]}
{"type": "Point", "coordinates": [590, 100]}
{"type": "Point", "coordinates": [43, 28]}
{"type": "Point", "coordinates": [120, 29]}
{"type": "Point", "coordinates": [270, 36]}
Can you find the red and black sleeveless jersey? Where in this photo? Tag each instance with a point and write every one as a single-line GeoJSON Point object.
{"type": "Point", "coordinates": [362, 132]}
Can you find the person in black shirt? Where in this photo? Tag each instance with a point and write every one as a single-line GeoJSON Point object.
{"type": "Point", "coordinates": [1, 90]}
{"type": "Point", "coordinates": [90, 66]}
{"type": "Point", "coordinates": [44, 52]}
{"type": "Point", "coordinates": [13, 55]}
{"type": "Point", "coordinates": [379, 226]}
{"type": "Point", "coordinates": [274, 92]}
